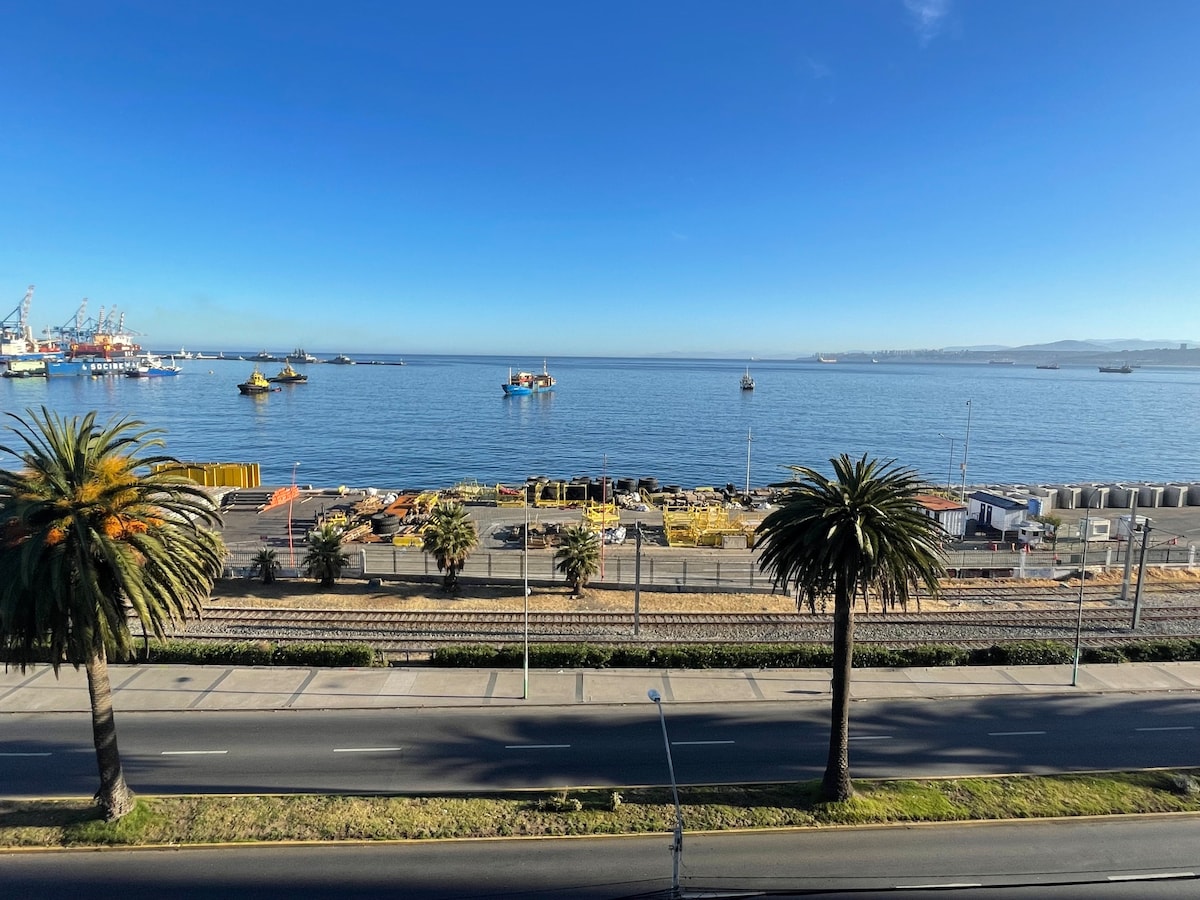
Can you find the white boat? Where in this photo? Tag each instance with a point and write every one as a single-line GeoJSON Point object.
{"type": "Point", "coordinates": [151, 366]}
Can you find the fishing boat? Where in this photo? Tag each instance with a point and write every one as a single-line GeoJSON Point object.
{"type": "Point", "coordinates": [342, 360]}
{"type": "Point", "coordinates": [288, 375]}
{"type": "Point", "coordinates": [256, 384]}
{"type": "Point", "coordinates": [523, 383]}
{"type": "Point", "coordinates": [1118, 370]}
{"type": "Point", "coordinates": [747, 381]}
{"type": "Point", "coordinates": [151, 366]}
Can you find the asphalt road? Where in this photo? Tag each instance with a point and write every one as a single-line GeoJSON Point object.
{"type": "Point", "coordinates": [1026, 861]}
{"type": "Point", "coordinates": [433, 750]}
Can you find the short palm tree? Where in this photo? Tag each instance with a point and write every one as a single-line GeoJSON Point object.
{"type": "Point", "coordinates": [89, 532]}
{"type": "Point", "coordinates": [578, 557]}
{"type": "Point", "coordinates": [325, 560]}
{"type": "Point", "coordinates": [860, 531]}
{"type": "Point", "coordinates": [449, 538]}
{"type": "Point", "coordinates": [265, 565]}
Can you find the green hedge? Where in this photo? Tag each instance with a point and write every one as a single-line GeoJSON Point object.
{"type": "Point", "coordinates": [256, 653]}
{"type": "Point", "coordinates": [804, 656]}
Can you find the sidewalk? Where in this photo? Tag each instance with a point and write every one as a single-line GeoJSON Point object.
{"type": "Point", "coordinates": [167, 687]}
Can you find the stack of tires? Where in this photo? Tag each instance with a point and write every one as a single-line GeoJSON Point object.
{"type": "Point", "coordinates": [385, 524]}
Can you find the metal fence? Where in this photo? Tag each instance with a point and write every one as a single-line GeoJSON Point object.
{"type": "Point", "coordinates": [725, 570]}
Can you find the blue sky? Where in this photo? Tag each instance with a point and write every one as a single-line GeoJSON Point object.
{"type": "Point", "coordinates": [625, 178]}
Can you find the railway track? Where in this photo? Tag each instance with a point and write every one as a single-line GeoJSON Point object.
{"type": "Point", "coordinates": [403, 633]}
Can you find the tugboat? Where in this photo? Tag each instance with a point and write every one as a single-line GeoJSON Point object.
{"type": "Point", "coordinates": [523, 383]}
{"type": "Point", "coordinates": [288, 375]}
{"type": "Point", "coordinates": [256, 384]}
{"type": "Point", "coordinates": [747, 381]}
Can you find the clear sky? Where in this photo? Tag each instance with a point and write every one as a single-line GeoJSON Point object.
{"type": "Point", "coordinates": [619, 178]}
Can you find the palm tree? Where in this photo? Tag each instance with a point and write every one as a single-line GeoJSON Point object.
{"type": "Point", "coordinates": [265, 565]}
{"type": "Point", "coordinates": [579, 556]}
{"type": "Point", "coordinates": [449, 538]}
{"type": "Point", "coordinates": [87, 534]}
{"type": "Point", "coordinates": [859, 532]}
{"type": "Point", "coordinates": [325, 559]}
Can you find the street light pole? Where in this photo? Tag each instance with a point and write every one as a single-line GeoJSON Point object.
{"type": "Point", "coordinates": [525, 573]}
{"type": "Point", "coordinates": [637, 577]}
{"type": "Point", "coordinates": [950, 468]}
{"type": "Point", "coordinates": [962, 497]}
{"type": "Point", "coordinates": [1087, 527]}
{"type": "Point", "coordinates": [677, 846]}
{"type": "Point", "coordinates": [749, 439]}
{"type": "Point", "coordinates": [291, 497]}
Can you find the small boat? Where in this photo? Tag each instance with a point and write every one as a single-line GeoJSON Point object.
{"type": "Point", "coordinates": [1048, 366]}
{"type": "Point", "coordinates": [256, 384]}
{"type": "Point", "coordinates": [523, 383]}
{"type": "Point", "coordinates": [300, 355]}
{"type": "Point", "coordinates": [150, 366]}
{"type": "Point", "coordinates": [747, 381]}
{"type": "Point", "coordinates": [342, 360]}
{"type": "Point", "coordinates": [1118, 370]}
{"type": "Point", "coordinates": [288, 375]}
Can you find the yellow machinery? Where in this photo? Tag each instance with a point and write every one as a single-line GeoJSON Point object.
{"type": "Point", "coordinates": [702, 526]}
{"type": "Point", "coordinates": [509, 496]}
{"type": "Point", "coordinates": [598, 516]}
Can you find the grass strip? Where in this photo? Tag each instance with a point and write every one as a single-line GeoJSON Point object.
{"type": "Point", "coordinates": [306, 817]}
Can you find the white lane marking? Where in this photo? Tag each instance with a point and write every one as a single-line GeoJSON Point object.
{"type": "Point", "coordinates": [948, 884]}
{"type": "Point", "coordinates": [367, 749]}
{"type": "Point", "coordinates": [870, 737]}
{"type": "Point", "coordinates": [25, 754]}
{"type": "Point", "coordinates": [194, 752]}
{"type": "Point", "coordinates": [697, 743]}
{"type": "Point", "coordinates": [536, 746]}
{"type": "Point", "coordinates": [1169, 728]}
{"type": "Point", "coordinates": [1156, 876]}
{"type": "Point", "coordinates": [1012, 733]}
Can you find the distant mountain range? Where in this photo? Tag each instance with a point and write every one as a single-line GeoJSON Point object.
{"type": "Point", "coordinates": [1088, 346]}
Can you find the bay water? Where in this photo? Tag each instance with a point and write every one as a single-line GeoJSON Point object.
{"type": "Point", "coordinates": [439, 420]}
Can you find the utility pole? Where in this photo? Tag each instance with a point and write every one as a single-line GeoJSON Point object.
{"type": "Point", "coordinates": [1133, 527]}
{"type": "Point", "coordinates": [1137, 594]}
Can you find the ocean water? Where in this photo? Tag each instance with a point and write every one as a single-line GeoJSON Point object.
{"type": "Point", "coordinates": [441, 419]}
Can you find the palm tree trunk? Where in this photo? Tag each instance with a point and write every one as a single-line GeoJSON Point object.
{"type": "Point", "coordinates": [114, 797]}
{"type": "Point", "coordinates": [836, 785]}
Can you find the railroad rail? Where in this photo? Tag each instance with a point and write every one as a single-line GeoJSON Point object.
{"type": "Point", "coordinates": [411, 634]}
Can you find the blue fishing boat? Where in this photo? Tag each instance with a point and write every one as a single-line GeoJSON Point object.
{"type": "Point", "coordinates": [523, 383]}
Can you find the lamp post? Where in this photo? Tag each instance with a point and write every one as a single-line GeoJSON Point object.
{"type": "Point", "coordinates": [962, 496]}
{"type": "Point", "coordinates": [677, 845]}
{"type": "Point", "coordinates": [1087, 523]}
{"type": "Point", "coordinates": [749, 440]}
{"type": "Point", "coordinates": [637, 577]}
{"type": "Point", "coordinates": [291, 497]}
{"type": "Point", "coordinates": [525, 574]}
{"type": "Point", "coordinates": [950, 468]}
